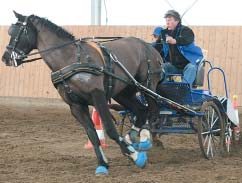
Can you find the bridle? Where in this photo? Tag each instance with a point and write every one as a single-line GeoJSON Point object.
{"type": "Point", "coordinates": [18, 56]}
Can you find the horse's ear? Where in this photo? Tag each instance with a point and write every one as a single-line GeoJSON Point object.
{"type": "Point", "coordinates": [18, 16]}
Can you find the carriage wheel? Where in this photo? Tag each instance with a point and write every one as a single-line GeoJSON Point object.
{"type": "Point", "coordinates": [211, 131]}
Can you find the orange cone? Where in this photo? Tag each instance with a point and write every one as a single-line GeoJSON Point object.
{"type": "Point", "coordinates": [99, 129]}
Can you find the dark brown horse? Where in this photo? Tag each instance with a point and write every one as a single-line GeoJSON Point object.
{"type": "Point", "coordinates": [83, 78]}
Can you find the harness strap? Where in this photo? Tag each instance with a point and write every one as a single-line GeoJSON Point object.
{"type": "Point", "coordinates": [70, 70]}
{"type": "Point", "coordinates": [107, 62]}
{"type": "Point", "coordinates": [108, 80]}
{"type": "Point", "coordinates": [148, 82]}
{"type": "Point", "coordinates": [78, 52]}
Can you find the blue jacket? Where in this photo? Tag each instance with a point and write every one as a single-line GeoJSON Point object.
{"type": "Point", "coordinates": [191, 52]}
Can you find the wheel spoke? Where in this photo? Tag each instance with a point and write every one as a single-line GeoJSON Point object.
{"type": "Point", "coordinates": [208, 118]}
{"type": "Point", "coordinates": [205, 133]}
{"type": "Point", "coordinates": [211, 145]}
{"type": "Point", "coordinates": [209, 148]}
{"type": "Point", "coordinates": [213, 123]}
{"type": "Point", "coordinates": [216, 130]}
{"type": "Point", "coordinates": [205, 140]}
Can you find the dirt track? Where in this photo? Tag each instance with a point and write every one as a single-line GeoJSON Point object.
{"type": "Point", "coordinates": [41, 142]}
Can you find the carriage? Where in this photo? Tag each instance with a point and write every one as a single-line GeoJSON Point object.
{"type": "Point", "coordinates": [88, 72]}
{"type": "Point", "coordinates": [186, 110]}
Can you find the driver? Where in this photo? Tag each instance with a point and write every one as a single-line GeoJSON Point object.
{"type": "Point", "coordinates": [180, 54]}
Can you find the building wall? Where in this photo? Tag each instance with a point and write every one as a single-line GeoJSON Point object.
{"type": "Point", "coordinates": [223, 47]}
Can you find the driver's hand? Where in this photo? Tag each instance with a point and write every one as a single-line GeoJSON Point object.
{"type": "Point", "coordinates": [170, 40]}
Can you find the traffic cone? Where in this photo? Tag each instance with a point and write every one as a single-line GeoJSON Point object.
{"type": "Point", "coordinates": [99, 129]}
{"type": "Point", "coordinates": [237, 128]}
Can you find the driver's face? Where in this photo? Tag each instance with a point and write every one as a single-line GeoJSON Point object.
{"type": "Point", "coordinates": [171, 23]}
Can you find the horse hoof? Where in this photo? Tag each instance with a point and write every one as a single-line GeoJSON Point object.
{"type": "Point", "coordinates": [142, 146]}
{"type": "Point", "coordinates": [141, 160]}
{"type": "Point", "coordinates": [101, 170]}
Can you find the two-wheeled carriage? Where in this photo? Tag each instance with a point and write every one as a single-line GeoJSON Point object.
{"type": "Point", "coordinates": [187, 110]}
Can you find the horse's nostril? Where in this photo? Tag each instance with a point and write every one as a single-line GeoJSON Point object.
{"type": "Point", "coordinates": [6, 57]}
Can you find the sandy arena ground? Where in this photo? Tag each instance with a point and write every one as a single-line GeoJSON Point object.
{"type": "Point", "coordinates": [41, 142]}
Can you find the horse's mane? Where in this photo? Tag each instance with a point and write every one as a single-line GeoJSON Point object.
{"type": "Point", "coordinates": [61, 32]}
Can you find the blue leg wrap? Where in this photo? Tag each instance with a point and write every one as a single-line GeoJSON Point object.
{"type": "Point", "coordinates": [135, 145]}
{"type": "Point", "coordinates": [101, 170]}
{"type": "Point", "coordinates": [142, 146]}
{"type": "Point", "coordinates": [141, 160]}
{"type": "Point", "coordinates": [145, 146]}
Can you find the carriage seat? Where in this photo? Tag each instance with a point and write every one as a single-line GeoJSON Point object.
{"type": "Point", "coordinates": [179, 91]}
{"type": "Point", "coordinates": [200, 74]}
{"type": "Point", "coordinates": [199, 80]}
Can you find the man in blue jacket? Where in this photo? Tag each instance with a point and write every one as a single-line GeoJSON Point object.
{"type": "Point", "coordinates": [180, 54]}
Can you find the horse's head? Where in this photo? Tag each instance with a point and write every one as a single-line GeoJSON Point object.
{"type": "Point", "coordinates": [23, 39]}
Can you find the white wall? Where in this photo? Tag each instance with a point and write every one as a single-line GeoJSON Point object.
{"type": "Point", "coordinates": [126, 12]}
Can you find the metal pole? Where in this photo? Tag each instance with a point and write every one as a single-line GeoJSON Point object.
{"type": "Point", "coordinates": [96, 12]}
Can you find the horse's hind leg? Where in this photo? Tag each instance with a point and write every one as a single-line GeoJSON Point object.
{"type": "Point", "coordinates": [128, 99]}
{"type": "Point", "coordinates": [139, 127]}
{"type": "Point", "coordinates": [100, 103]}
{"type": "Point", "coordinates": [81, 113]}
{"type": "Point", "coordinates": [153, 114]}
{"type": "Point", "coordinates": [153, 119]}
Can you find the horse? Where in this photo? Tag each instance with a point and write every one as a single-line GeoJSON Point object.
{"type": "Point", "coordinates": [86, 73]}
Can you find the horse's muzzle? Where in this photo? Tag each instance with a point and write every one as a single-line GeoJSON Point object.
{"type": "Point", "coordinates": [6, 58]}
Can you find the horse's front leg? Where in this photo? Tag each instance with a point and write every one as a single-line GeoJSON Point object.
{"type": "Point", "coordinates": [81, 113]}
{"type": "Point", "coordinates": [100, 103]}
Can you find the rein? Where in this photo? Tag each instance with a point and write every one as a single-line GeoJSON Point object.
{"type": "Point", "coordinates": [64, 45]}
{"type": "Point", "coordinates": [45, 51]}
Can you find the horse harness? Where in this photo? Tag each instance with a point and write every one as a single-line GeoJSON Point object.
{"type": "Point", "coordinates": [65, 73]}
{"type": "Point", "coordinates": [107, 57]}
